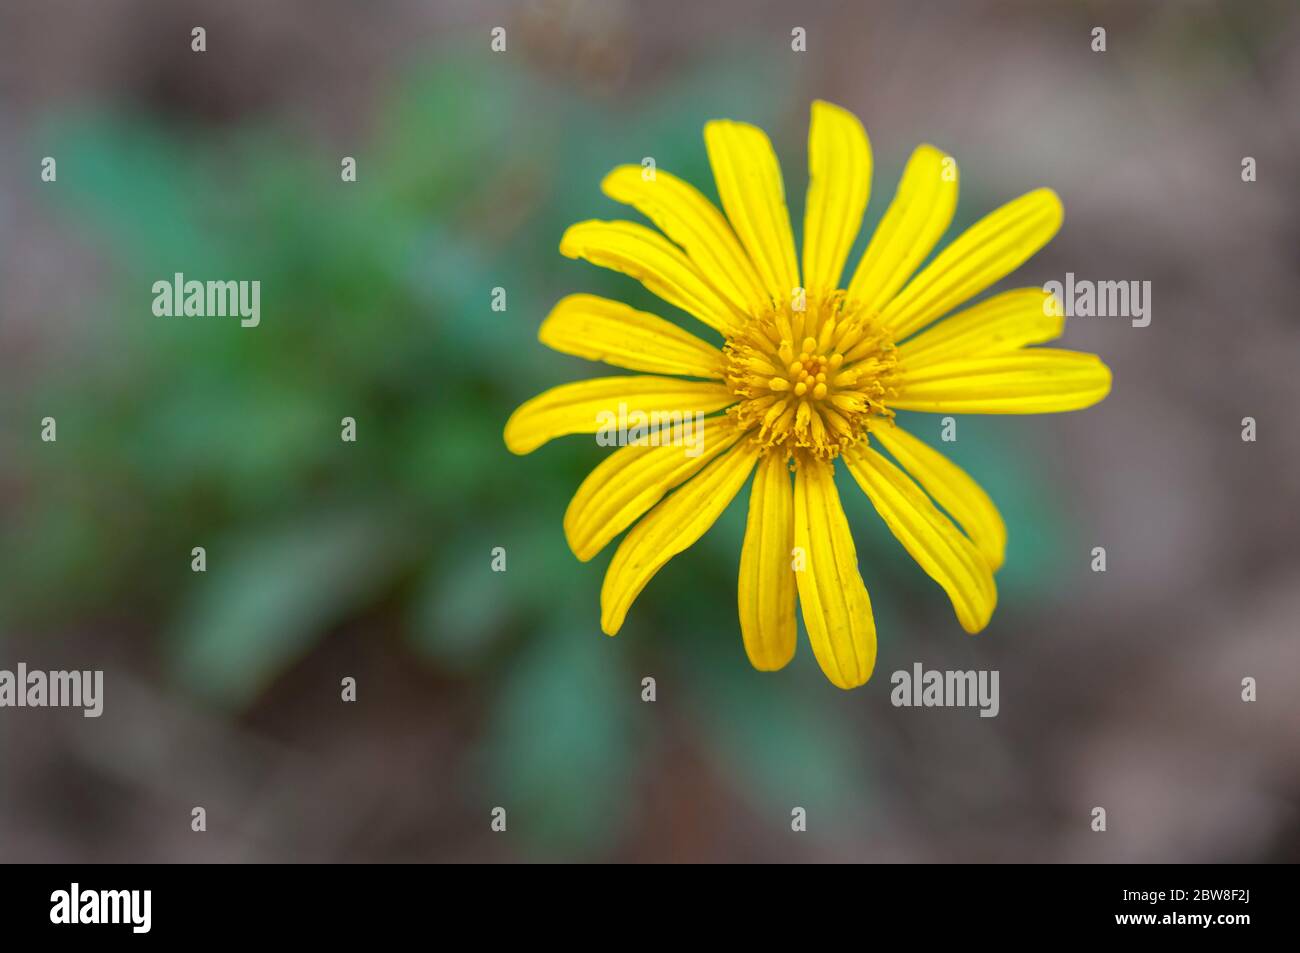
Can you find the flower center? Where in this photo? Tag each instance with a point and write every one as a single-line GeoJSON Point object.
{"type": "Point", "coordinates": [812, 378]}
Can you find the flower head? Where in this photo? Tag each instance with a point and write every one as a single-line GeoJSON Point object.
{"type": "Point", "coordinates": [809, 375]}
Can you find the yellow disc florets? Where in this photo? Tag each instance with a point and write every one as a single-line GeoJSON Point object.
{"type": "Point", "coordinates": [810, 378]}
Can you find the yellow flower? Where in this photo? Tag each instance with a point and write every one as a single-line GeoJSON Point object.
{"type": "Point", "coordinates": [811, 372]}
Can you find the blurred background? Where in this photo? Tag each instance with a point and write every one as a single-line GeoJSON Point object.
{"type": "Point", "coordinates": [371, 560]}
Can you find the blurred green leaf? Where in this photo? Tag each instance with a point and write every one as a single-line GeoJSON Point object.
{"type": "Point", "coordinates": [559, 745]}
{"type": "Point", "coordinates": [263, 600]}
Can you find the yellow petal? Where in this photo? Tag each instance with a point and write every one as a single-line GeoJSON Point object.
{"type": "Point", "coordinates": [952, 488]}
{"type": "Point", "coordinates": [588, 406]}
{"type": "Point", "coordinates": [1037, 380]}
{"type": "Point", "coordinates": [992, 248]}
{"type": "Point", "coordinates": [694, 223]}
{"type": "Point", "coordinates": [948, 557]}
{"type": "Point", "coordinates": [1004, 322]}
{"type": "Point", "coordinates": [839, 182]}
{"type": "Point", "coordinates": [753, 195]}
{"type": "Point", "coordinates": [654, 261]}
{"type": "Point", "coordinates": [836, 608]}
{"type": "Point", "coordinates": [767, 584]}
{"type": "Point", "coordinates": [670, 528]}
{"type": "Point", "coordinates": [914, 222]}
{"type": "Point", "coordinates": [603, 330]}
{"type": "Point", "coordinates": [634, 478]}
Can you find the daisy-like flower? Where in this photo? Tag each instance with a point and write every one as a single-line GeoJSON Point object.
{"type": "Point", "coordinates": [811, 371]}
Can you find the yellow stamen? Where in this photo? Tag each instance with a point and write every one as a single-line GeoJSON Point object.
{"type": "Point", "coordinates": [822, 397]}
